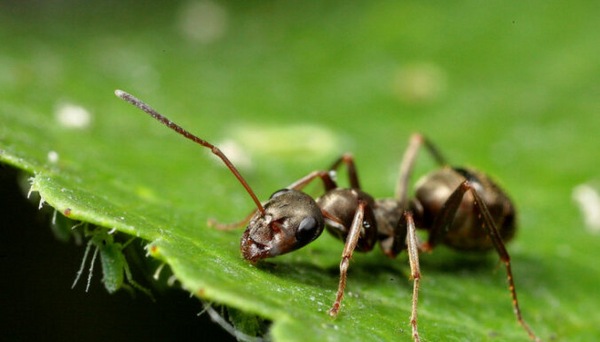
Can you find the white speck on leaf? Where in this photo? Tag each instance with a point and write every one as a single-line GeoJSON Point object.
{"type": "Point", "coordinates": [203, 21]}
{"type": "Point", "coordinates": [73, 116]}
{"type": "Point", "coordinates": [53, 157]}
{"type": "Point", "coordinates": [588, 200]}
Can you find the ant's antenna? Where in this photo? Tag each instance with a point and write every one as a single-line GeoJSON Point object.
{"type": "Point", "coordinates": [153, 113]}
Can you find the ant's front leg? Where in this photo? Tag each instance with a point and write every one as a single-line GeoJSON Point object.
{"type": "Point", "coordinates": [350, 245]}
{"type": "Point", "coordinates": [328, 184]}
{"type": "Point", "coordinates": [347, 159]}
{"type": "Point", "coordinates": [213, 223]}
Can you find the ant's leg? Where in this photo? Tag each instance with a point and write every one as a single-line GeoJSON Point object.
{"type": "Point", "coordinates": [408, 162]}
{"type": "Point", "coordinates": [213, 223]}
{"type": "Point", "coordinates": [445, 218]}
{"type": "Point", "coordinates": [415, 272]}
{"type": "Point", "coordinates": [348, 159]}
{"type": "Point", "coordinates": [328, 183]}
{"type": "Point", "coordinates": [492, 230]}
{"type": "Point", "coordinates": [350, 245]}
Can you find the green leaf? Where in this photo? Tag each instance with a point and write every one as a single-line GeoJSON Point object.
{"type": "Point", "coordinates": [509, 88]}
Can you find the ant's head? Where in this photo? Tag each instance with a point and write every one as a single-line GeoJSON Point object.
{"type": "Point", "coordinates": [291, 219]}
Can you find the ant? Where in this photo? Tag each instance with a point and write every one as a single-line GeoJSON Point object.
{"type": "Point", "coordinates": [458, 207]}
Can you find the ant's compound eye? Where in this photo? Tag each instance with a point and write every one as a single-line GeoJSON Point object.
{"type": "Point", "coordinates": [279, 193]}
{"type": "Point", "coordinates": [307, 230]}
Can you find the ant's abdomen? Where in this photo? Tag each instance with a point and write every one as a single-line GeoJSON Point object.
{"type": "Point", "coordinates": [466, 230]}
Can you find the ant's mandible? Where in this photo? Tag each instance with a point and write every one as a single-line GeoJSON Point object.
{"type": "Point", "coordinates": [460, 208]}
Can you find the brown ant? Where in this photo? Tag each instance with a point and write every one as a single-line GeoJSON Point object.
{"type": "Point", "coordinates": [460, 208]}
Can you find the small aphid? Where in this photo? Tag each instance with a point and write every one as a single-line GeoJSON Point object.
{"type": "Point", "coordinates": [457, 207]}
{"type": "Point", "coordinates": [114, 265]}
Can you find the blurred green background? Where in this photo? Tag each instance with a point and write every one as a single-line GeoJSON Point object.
{"type": "Point", "coordinates": [509, 87]}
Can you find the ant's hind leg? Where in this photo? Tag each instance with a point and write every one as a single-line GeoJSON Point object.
{"type": "Point", "coordinates": [492, 230]}
{"type": "Point", "coordinates": [444, 220]}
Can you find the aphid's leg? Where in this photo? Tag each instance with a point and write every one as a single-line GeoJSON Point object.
{"type": "Point", "coordinates": [408, 162]}
{"type": "Point", "coordinates": [351, 241]}
{"type": "Point", "coordinates": [90, 273]}
{"type": "Point", "coordinates": [91, 242]}
{"type": "Point", "coordinates": [128, 242]}
{"type": "Point", "coordinates": [133, 283]}
{"type": "Point", "coordinates": [415, 272]}
{"type": "Point", "coordinates": [127, 271]}
{"type": "Point", "coordinates": [444, 220]}
{"type": "Point", "coordinates": [85, 255]}
{"type": "Point", "coordinates": [347, 159]}
{"type": "Point", "coordinates": [220, 319]}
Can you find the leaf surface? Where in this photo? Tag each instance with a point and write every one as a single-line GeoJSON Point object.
{"type": "Point", "coordinates": [285, 90]}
